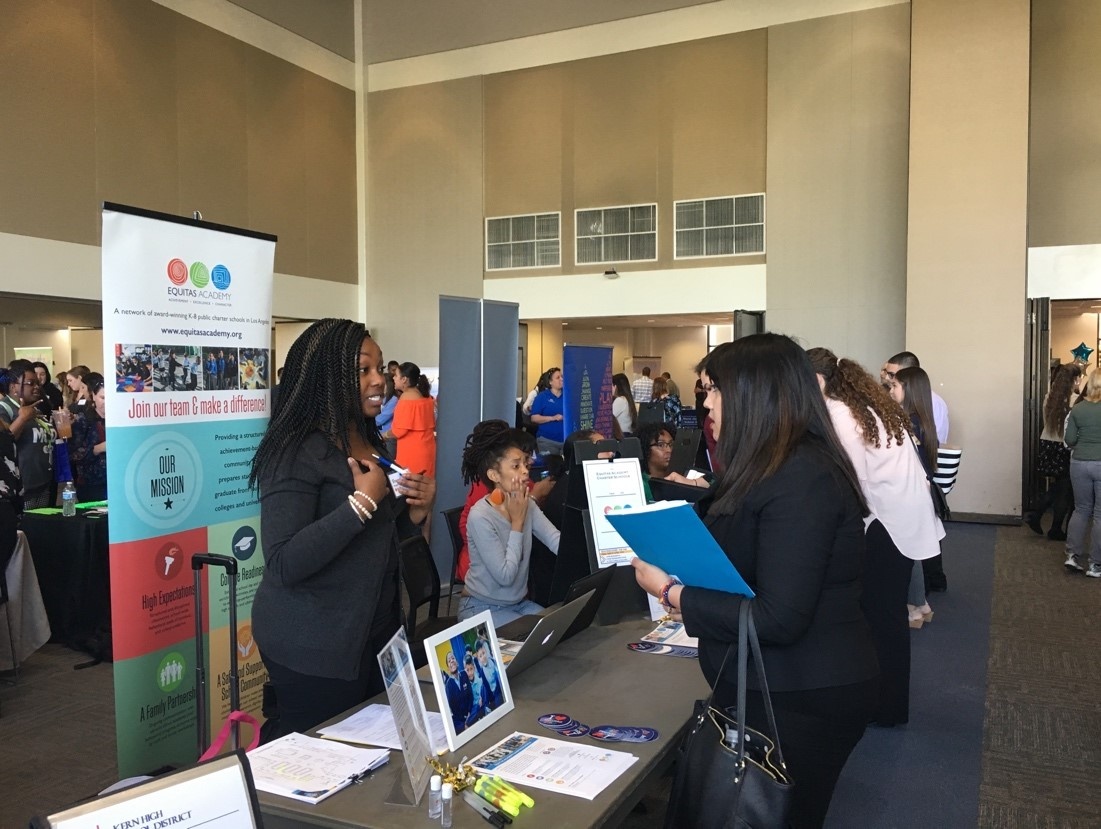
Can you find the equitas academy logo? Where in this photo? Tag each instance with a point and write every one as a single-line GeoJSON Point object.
{"type": "Point", "coordinates": [200, 276]}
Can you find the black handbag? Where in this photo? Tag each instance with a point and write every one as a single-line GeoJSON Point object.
{"type": "Point", "coordinates": [730, 776]}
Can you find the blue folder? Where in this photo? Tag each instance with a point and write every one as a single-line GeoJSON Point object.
{"type": "Point", "coordinates": [676, 540]}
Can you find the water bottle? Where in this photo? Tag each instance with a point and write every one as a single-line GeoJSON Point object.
{"type": "Point", "coordinates": [68, 500]}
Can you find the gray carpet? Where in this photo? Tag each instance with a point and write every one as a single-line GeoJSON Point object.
{"type": "Point", "coordinates": [1042, 744]}
{"type": "Point", "coordinates": [927, 773]}
{"type": "Point", "coordinates": [57, 732]}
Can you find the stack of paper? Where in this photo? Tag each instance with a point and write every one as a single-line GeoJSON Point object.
{"type": "Point", "coordinates": [567, 768]}
{"type": "Point", "coordinates": [310, 769]}
{"type": "Point", "coordinates": [374, 726]}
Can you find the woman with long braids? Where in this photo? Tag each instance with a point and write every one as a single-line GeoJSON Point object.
{"type": "Point", "coordinates": [787, 513]}
{"type": "Point", "coordinates": [902, 527]}
{"type": "Point", "coordinates": [328, 600]}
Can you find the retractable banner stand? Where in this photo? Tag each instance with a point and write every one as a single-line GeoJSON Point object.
{"type": "Point", "coordinates": [587, 388]}
{"type": "Point", "coordinates": [187, 359]}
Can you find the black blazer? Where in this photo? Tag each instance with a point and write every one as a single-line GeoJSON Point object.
{"type": "Point", "coordinates": [798, 540]}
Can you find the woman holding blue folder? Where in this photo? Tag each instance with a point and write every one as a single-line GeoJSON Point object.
{"type": "Point", "coordinates": [788, 512]}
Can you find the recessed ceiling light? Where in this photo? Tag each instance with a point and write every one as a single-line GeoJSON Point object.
{"type": "Point", "coordinates": [600, 328]}
{"type": "Point", "coordinates": [651, 320]}
{"type": "Point", "coordinates": [565, 323]}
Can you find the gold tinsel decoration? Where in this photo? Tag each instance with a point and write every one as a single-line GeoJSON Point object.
{"type": "Point", "coordinates": [460, 777]}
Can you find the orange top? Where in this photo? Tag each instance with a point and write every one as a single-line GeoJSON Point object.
{"type": "Point", "coordinates": [414, 426]}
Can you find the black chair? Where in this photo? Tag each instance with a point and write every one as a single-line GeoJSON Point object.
{"type": "Point", "coordinates": [451, 518]}
{"type": "Point", "coordinates": [422, 586]}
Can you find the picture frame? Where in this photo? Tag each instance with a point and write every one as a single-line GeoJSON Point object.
{"type": "Point", "coordinates": [471, 699]}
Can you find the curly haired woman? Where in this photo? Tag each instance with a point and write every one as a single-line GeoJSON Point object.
{"type": "Point", "coordinates": [902, 527]}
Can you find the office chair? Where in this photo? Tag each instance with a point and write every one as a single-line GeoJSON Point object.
{"type": "Point", "coordinates": [451, 518]}
{"type": "Point", "coordinates": [422, 586]}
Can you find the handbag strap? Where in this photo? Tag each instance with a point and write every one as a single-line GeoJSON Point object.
{"type": "Point", "coordinates": [747, 638]}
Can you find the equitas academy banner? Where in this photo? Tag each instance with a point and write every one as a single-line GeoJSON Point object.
{"type": "Point", "coordinates": [186, 339]}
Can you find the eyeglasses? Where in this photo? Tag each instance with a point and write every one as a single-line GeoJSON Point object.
{"type": "Point", "coordinates": [662, 444]}
{"type": "Point", "coordinates": [30, 382]}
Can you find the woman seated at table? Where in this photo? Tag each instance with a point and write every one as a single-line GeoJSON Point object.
{"type": "Point", "coordinates": [657, 451]}
{"type": "Point", "coordinates": [499, 531]}
{"type": "Point", "coordinates": [88, 447]}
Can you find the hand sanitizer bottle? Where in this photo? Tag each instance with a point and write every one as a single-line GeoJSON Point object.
{"type": "Point", "coordinates": [434, 785]}
{"type": "Point", "coordinates": [445, 806]}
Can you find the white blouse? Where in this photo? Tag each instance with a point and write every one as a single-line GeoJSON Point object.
{"type": "Point", "coordinates": [894, 485]}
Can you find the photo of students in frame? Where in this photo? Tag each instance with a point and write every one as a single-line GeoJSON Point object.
{"type": "Point", "coordinates": [469, 678]}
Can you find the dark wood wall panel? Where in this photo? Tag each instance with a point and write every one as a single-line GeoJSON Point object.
{"type": "Point", "coordinates": [654, 125]}
{"type": "Point", "coordinates": [523, 127]}
{"type": "Point", "coordinates": [211, 70]}
{"type": "Point", "coordinates": [47, 137]}
{"type": "Point", "coordinates": [717, 94]}
{"type": "Point", "coordinates": [276, 152]}
{"type": "Point", "coordinates": [137, 146]}
{"type": "Point", "coordinates": [616, 128]}
{"type": "Point", "coordinates": [330, 190]}
{"type": "Point", "coordinates": [127, 101]}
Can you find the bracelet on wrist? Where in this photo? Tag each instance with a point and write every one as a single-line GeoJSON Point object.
{"type": "Point", "coordinates": [361, 511]}
{"type": "Point", "coordinates": [664, 596]}
{"type": "Point", "coordinates": [369, 499]}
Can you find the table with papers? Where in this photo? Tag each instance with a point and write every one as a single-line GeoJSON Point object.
{"type": "Point", "coordinates": [594, 677]}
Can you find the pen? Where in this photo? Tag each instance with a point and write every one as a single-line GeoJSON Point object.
{"type": "Point", "coordinates": [484, 810]}
{"type": "Point", "coordinates": [389, 464]}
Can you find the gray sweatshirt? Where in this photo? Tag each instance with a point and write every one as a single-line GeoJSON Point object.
{"type": "Point", "coordinates": [499, 557]}
{"type": "Point", "coordinates": [1083, 433]}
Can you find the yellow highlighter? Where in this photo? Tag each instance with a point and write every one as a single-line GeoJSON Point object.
{"type": "Point", "coordinates": [508, 787]}
{"type": "Point", "coordinates": [497, 797]}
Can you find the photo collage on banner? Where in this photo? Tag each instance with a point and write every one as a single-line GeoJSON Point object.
{"type": "Point", "coordinates": [587, 388]}
{"type": "Point", "coordinates": [187, 330]}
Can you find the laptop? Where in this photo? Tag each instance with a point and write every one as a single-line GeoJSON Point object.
{"type": "Point", "coordinates": [596, 582]}
{"type": "Point", "coordinates": [542, 639]}
{"type": "Point", "coordinates": [685, 445]}
{"type": "Point", "coordinates": [663, 490]}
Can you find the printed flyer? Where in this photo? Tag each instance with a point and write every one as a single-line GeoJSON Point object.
{"type": "Point", "coordinates": [187, 335]}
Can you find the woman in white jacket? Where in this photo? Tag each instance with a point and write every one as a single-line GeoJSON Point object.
{"type": "Point", "coordinates": [902, 527]}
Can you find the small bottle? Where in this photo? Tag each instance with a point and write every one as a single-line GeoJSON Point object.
{"type": "Point", "coordinates": [445, 806]}
{"type": "Point", "coordinates": [68, 500]}
{"type": "Point", "coordinates": [434, 797]}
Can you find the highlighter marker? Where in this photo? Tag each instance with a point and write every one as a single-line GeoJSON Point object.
{"type": "Point", "coordinates": [508, 787]}
{"type": "Point", "coordinates": [497, 798]}
{"type": "Point", "coordinates": [389, 464]}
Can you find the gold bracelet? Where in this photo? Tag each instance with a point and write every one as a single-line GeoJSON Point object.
{"type": "Point", "coordinates": [370, 500]}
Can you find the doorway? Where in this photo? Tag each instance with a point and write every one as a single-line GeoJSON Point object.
{"type": "Point", "coordinates": [1059, 331]}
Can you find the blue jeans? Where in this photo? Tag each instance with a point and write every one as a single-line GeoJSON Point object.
{"type": "Point", "coordinates": [502, 613]}
{"type": "Point", "coordinates": [1085, 478]}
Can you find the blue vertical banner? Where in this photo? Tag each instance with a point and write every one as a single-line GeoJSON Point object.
{"type": "Point", "coordinates": [587, 388]}
{"type": "Point", "coordinates": [187, 359]}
